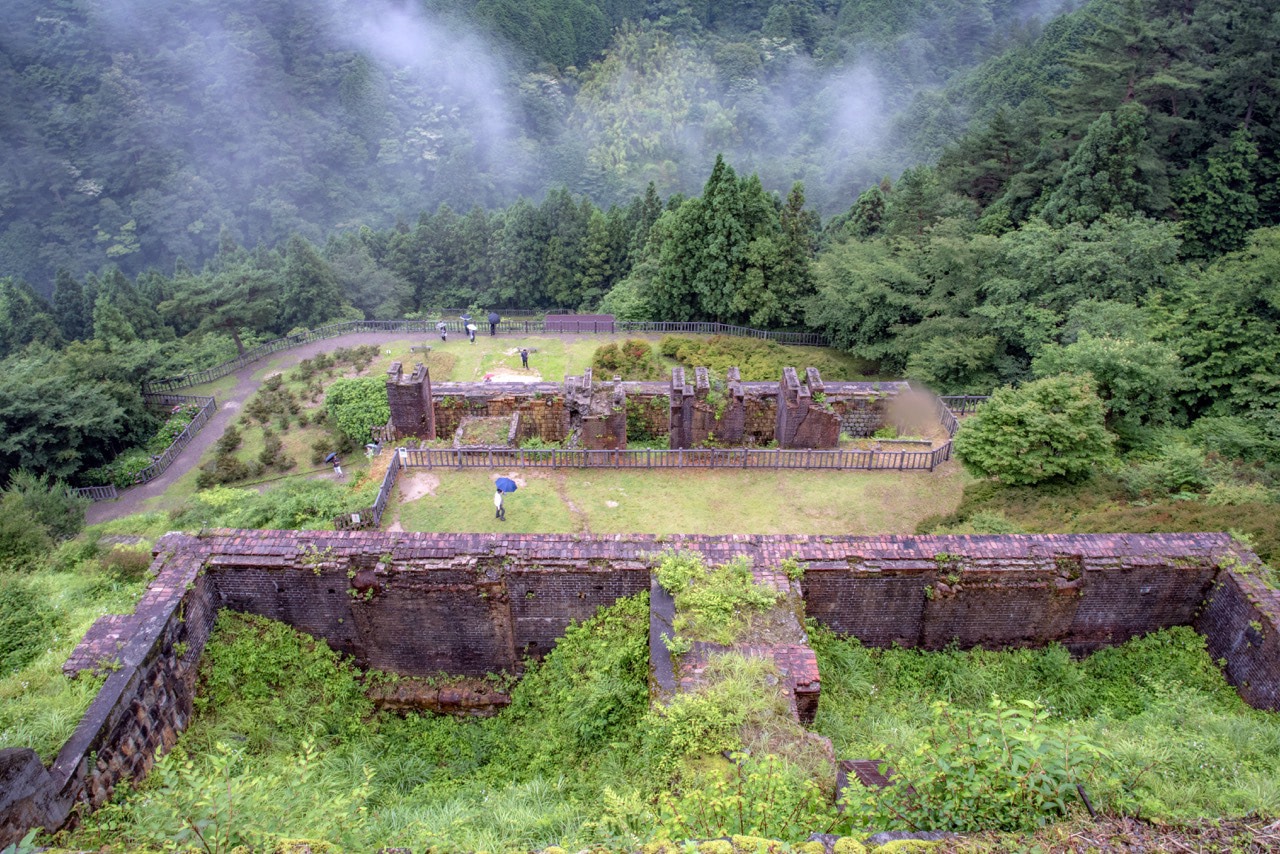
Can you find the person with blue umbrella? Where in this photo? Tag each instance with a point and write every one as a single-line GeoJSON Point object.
{"type": "Point", "coordinates": [502, 486]}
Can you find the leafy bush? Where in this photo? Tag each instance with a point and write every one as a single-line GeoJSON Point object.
{"type": "Point", "coordinates": [756, 359]}
{"type": "Point", "coordinates": [121, 472]}
{"type": "Point", "coordinates": [180, 417]}
{"type": "Point", "coordinates": [26, 624]}
{"type": "Point", "coordinates": [712, 603]}
{"type": "Point", "coordinates": [1179, 468]}
{"type": "Point", "coordinates": [631, 360]}
{"type": "Point", "coordinates": [272, 455]}
{"type": "Point", "coordinates": [1004, 769]}
{"type": "Point", "coordinates": [303, 504]}
{"type": "Point", "coordinates": [48, 501]}
{"type": "Point", "coordinates": [226, 468]}
{"type": "Point", "coordinates": [357, 406]}
{"type": "Point", "coordinates": [758, 795]}
{"type": "Point", "coordinates": [1047, 429]}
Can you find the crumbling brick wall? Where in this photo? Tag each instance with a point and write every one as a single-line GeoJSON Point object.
{"type": "Point", "coordinates": [472, 603]}
{"type": "Point", "coordinates": [139, 711]}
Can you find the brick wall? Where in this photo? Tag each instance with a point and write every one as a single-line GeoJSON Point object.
{"type": "Point", "coordinates": [471, 603]}
{"type": "Point", "coordinates": [1241, 624]}
{"type": "Point", "coordinates": [139, 711]}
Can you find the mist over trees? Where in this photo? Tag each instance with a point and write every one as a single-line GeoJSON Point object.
{"type": "Point", "coordinates": [140, 133]}
{"type": "Point", "coordinates": [1111, 209]}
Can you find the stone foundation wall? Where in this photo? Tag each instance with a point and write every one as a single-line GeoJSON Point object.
{"type": "Point", "coordinates": [469, 604]}
{"type": "Point", "coordinates": [1241, 624]}
{"type": "Point", "coordinates": [143, 705]}
{"type": "Point", "coordinates": [421, 604]}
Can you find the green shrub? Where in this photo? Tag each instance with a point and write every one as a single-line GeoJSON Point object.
{"type": "Point", "coordinates": [1179, 468]}
{"type": "Point", "coordinates": [756, 359]}
{"type": "Point", "coordinates": [357, 406]}
{"type": "Point", "coordinates": [757, 795]}
{"type": "Point", "coordinates": [229, 440]}
{"type": "Point", "coordinates": [631, 360]}
{"type": "Point", "coordinates": [1005, 768]}
{"type": "Point", "coordinates": [712, 603]}
{"type": "Point", "coordinates": [179, 419]}
{"type": "Point", "coordinates": [48, 501]}
{"type": "Point", "coordinates": [26, 626]}
{"type": "Point", "coordinates": [1045, 430]}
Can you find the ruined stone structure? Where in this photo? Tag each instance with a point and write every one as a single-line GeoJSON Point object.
{"type": "Point", "coordinates": [412, 410]}
{"type": "Point", "coordinates": [592, 414]}
{"type": "Point", "coordinates": [469, 604]}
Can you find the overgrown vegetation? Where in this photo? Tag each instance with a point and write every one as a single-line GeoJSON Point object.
{"type": "Point", "coordinates": [35, 514]}
{"type": "Point", "coordinates": [1103, 504]}
{"type": "Point", "coordinates": [1149, 727]}
{"type": "Point", "coordinates": [630, 359]}
{"type": "Point", "coordinates": [713, 603]}
{"type": "Point", "coordinates": [758, 360]}
{"type": "Point", "coordinates": [578, 758]}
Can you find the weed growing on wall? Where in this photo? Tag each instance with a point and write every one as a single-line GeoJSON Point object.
{"type": "Point", "coordinates": [715, 603]}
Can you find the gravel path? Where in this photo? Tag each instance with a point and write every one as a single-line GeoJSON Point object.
{"type": "Point", "coordinates": [131, 500]}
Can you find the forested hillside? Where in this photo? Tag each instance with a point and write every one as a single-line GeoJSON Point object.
{"type": "Point", "coordinates": [138, 133]}
{"type": "Point", "coordinates": [1112, 208]}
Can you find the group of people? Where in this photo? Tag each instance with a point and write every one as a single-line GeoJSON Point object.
{"type": "Point", "coordinates": [443, 328]}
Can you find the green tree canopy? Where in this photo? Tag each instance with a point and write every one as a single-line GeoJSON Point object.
{"type": "Point", "coordinates": [358, 405]}
{"type": "Point", "coordinates": [1053, 428]}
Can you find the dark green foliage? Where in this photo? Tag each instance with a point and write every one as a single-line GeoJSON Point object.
{"type": "Point", "coordinates": [27, 625]}
{"type": "Point", "coordinates": [758, 360]}
{"type": "Point", "coordinates": [297, 504]}
{"type": "Point", "coordinates": [1157, 706]}
{"type": "Point", "coordinates": [1225, 325]}
{"type": "Point", "coordinates": [1048, 429]}
{"type": "Point", "coordinates": [47, 502]}
{"type": "Point", "coordinates": [1137, 380]}
{"type": "Point", "coordinates": [358, 405]}
{"type": "Point", "coordinates": [631, 360]}
{"type": "Point", "coordinates": [1101, 505]}
{"type": "Point", "coordinates": [272, 455]}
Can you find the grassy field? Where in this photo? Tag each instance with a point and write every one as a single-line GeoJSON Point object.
{"type": "Point", "coordinates": [690, 501]}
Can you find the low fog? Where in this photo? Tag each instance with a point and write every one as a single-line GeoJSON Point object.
{"type": "Point", "coordinates": [138, 131]}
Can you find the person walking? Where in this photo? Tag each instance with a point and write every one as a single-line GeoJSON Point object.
{"type": "Point", "coordinates": [471, 332]}
{"type": "Point", "coordinates": [524, 358]}
{"type": "Point", "coordinates": [500, 512]}
{"type": "Point", "coordinates": [444, 330]}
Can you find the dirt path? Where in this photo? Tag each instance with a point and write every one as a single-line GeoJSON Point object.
{"type": "Point", "coordinates": [132, 500]}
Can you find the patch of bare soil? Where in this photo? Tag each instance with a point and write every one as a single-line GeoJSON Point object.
{"type": "Point", "coordinates": [416, 485]}
{"type": "Point", "coordinates": [500, 375]}
{"type": "Point", "coordinates": [1114, 835]}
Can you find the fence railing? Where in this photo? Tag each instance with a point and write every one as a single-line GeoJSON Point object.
{"type": "Point", "coordinates": [372, 517]}
{"type": "Point", "coordinates": [207, 407]}
{"type": "Point", "coordinates": [963, 404]}
{"type": "Point", "coordinates": [711, 458]}
{"type": "Point", "coordinates": [96, 493]}
{"type": "Point", "coordinates": [428, 327]}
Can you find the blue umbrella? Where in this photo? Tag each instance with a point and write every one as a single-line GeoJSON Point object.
{"type": "Point", "coordinates": [505, 484]}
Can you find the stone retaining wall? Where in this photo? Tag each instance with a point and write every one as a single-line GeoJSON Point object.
{"type": "Point", "coordinates": [468, 604]}
{"type": "Point", "coordinates": [137, 715]}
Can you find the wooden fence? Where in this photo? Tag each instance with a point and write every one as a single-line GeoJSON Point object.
{"type": "Point", "coordinates": [963, 404]}
{"type": "Point", "coordinates": [709, 458]}
{"type": "Point", "coordinates": [96, 493]}
{"type": "Point", "coordinates": [428, 327]}
{"type": "Point", "coordinates": [161, 463]}
{"type": "Point", "coordinates": [372, 517]}
{"type": "Point", "coordinates": [207, 407]}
